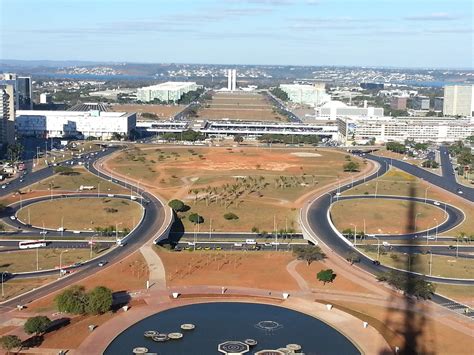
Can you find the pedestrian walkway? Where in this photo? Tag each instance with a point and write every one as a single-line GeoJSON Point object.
{"type": "Point", "coordinates": [156, 269]}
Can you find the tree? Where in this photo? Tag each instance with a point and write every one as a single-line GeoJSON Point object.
{"type": "Point", "coordinates": [351, 166]}
{"type": "Point", "coordinates": [410, 285]}
{"type": "Point", "coordinates": [396, 147]}
{"type": "Point", "coordinates": [195, 218]}
{"type": "Point", "coordinates": [72, 300]}
{"type": "Point", "coordinates": [99, 300]}
{"type": "Point", "coordinates": [430, 164]}
{"type": "Point", "coordinates": [14, 151]}
{"type": "Point", "coordinates": [37, 325]}
{"type": "Point", "coordinates": [353, 257]}
{"type": "Point", "coordinates": [309, 253]}
{"type": "Point", "coordinates": [327, 275]}
{"type": "Point", "coordinates": [177, 205]}
{"type": "Point", "coordinates": [10, 342]}
{"type": "Point", "coordinates": [238, 138]}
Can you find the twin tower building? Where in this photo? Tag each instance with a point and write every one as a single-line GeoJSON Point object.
{"type": "Point", "coordinates": [231, 79]}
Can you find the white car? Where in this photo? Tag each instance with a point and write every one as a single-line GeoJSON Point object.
{"type": "Point", "coordinates": [436, 203]}
{"type": "Point", "coordinates": [12, 218]}
{"type": "Point", "coordinates": [44, 232]}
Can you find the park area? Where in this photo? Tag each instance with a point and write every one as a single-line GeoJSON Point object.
{"type": "Point", "coordinates": [82, 213]}
{"type": "Point", "coordinates": [259, 187]}
{"type": "Point", "coordinates": [237, 106]}
{"type": "Point", "coordinates": [149, 111]}
{"type": "Point", "coordinates": [376, 216]}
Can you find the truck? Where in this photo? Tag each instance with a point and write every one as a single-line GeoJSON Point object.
{"type": "Point", "coordinates": [250, 242]}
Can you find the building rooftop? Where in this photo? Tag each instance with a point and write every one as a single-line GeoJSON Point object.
{"type": "Point", "coordinates": [170, 85]}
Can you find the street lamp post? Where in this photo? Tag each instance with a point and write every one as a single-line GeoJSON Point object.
{"type": "Point", "coordinates": [60, 262]}
{"type": "Point", "coordinates": [3, 273]}
{"type": "Point", "coordinates": [355, 233]}
{"type": "Point", "coordinates": [378, 246]}
{"type": "Point", "coordinates": [376, 188]}
{"type": "Point", "coordinates": [98, 189]}
{"type": "Point", "coordinates": [431, 261]}
{"type": "Point", "coordinates": [426, 192]}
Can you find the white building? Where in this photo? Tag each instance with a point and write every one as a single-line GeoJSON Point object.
{"type": "Point", "coordinates": [58, 124]}
{"type": "Point", "coordinates": [311, 95]}
{"type": "Point", "coordinates": [458, 100]}
{"type": "Point", "coordinates": [170, 91]}
{"type": "Point", "coordinates": [334, 109]}
{"type": "Point", "coordinates": [45, 98]}
{"type": "Point", "coordinates": [419, 129]}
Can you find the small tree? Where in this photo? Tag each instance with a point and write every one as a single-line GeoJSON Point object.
{"type": "Point", "coordinates": [353, 257]}
{"type": "Point", "coordinates": [99, 300]}
{"type": "Point", "coordinates": [72, 300]}
{"type": "Point", "coordinates": [309, 253]}
{"type": "Point", "coordinates": [255, 230]}
{"type": "Point", "coordinates": [177, 205]}
{"type": "Point", "coordinates": [351, 166]}
{"type": "Point", "coordinates": [37, 325]}
{"type": "Point", "coordinates": [195, 218]}
{"type": "Point", "coordinates": [327, 275]}
{"type": "Point", "coordinates": [10, 342]}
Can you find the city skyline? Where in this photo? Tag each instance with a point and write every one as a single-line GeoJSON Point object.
{"type": "Point", "coordinates": [273, 32]}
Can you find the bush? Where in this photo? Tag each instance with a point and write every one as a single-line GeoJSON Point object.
{"type": "Point", "coordinates": [351, 166]}
{"type": "Point", "coordinates": [327, 275]}
{"type": "Point", "coordinates": [72, 300]}
{"type": "Point", "coordinates": [99, 300]}
{"type": "Point", "coordinates": [177, 205]}
{"type": "Point", "coordinates": [231, 216]}
{"type": "Point", "coordinates": [76, 301]}
{"type": "Point", "coordinates": [410, 285]}
{"type": "Point", "coordinates": [37, 325]}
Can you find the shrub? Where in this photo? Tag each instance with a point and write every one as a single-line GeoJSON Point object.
{"type": "Point", "coordinates": [230, 216]}
{"type": "Point", "coordinates": [99, 300]}
{"type": "Point", "coordinates": [195, 218]}
{"type": "Point", "coordinates": [10, 342]}
{"type": "Point", "coordinates": [327, 275]}
{"type": "Point", "coordinates": [177, 205]}
{"type": "Point", "coordinates": [37, 325]}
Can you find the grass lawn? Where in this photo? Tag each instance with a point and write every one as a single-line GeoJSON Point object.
{"type": "Point", "coordinates": [445, 266]}
{"type": "Point", "coordinates": [82, 213]}
{"type": "Point", "coordinates": [397, 182]}
{"type": "Point", "coordinates": [16, 287]}
{"type": "Point", "coordinates": [241, 180]}
{"type": "Point", "coordinates": [48, 258]}
{"type": "Point", "coordinates": [379, 216]}
{"type": "Point", "coordinates": [463, 294]}
{"type": "Point", "coordinates": [72, 183]}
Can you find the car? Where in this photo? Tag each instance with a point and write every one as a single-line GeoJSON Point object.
{"type": "Point", "coordinates": [436, 203]}
{"type": "Point", "coordinates": [102, 263]}
{"type": "Point", "coordinates": [452, 247]}
{"type": "Point", "coordinates": [44, 232]}
{"type": "Point", "coordinates": [21, 180]}
{"type": "Point", "coordinates": [77, 264]}
{"type": "Point", "coordinates": [460, 191]}
{"type": "Point", "coordinates": [4, 186]}
{"type": "Point", "coordinates": [12, 218]}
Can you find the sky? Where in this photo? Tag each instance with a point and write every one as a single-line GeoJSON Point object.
{"type": "Point", "coordinates": [383, 33]}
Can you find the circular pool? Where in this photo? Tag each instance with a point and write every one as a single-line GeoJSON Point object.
{"type": "Point", "coordinates": [271, 326]}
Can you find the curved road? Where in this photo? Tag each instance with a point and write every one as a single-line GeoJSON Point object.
{"type": "Point", "coordinates": [154, 217]}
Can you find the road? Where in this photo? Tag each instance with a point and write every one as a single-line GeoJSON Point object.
{"type": "Point", "coordinates": [152, 221]}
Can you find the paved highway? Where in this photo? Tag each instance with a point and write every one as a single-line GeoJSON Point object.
{"type": "Point", "coordinates": [152, 221]}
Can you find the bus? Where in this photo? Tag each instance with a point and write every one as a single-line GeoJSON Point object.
{"type": "Point", "coordinates": [28, 244]}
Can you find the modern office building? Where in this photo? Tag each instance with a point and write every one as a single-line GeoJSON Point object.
{"type": "Point", "coordinates": [311, 95]}
{"type": "Point", "coordinates": [59, 124]}
{"type": "Point", "coordinates": [420, 103]}
{"type": "Point", "coordinates": [7, 118]}
{"type": "Point", "coordinates": [334, 109]}
{"type": "Point", "coordinates": [398, 103]}
{"type": "Point", "coordinates": [438, 104]}
{"type": "Point", "coordinates": [170, 91]}
{"type": "Point", "coordinates": [458, 100]}
{"type": "Point", "coordinates": [389, 129]}
{"type": "Point", "coordinates": [25, 96]}
{"type": "Point", "coordinates": [22, 88]}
